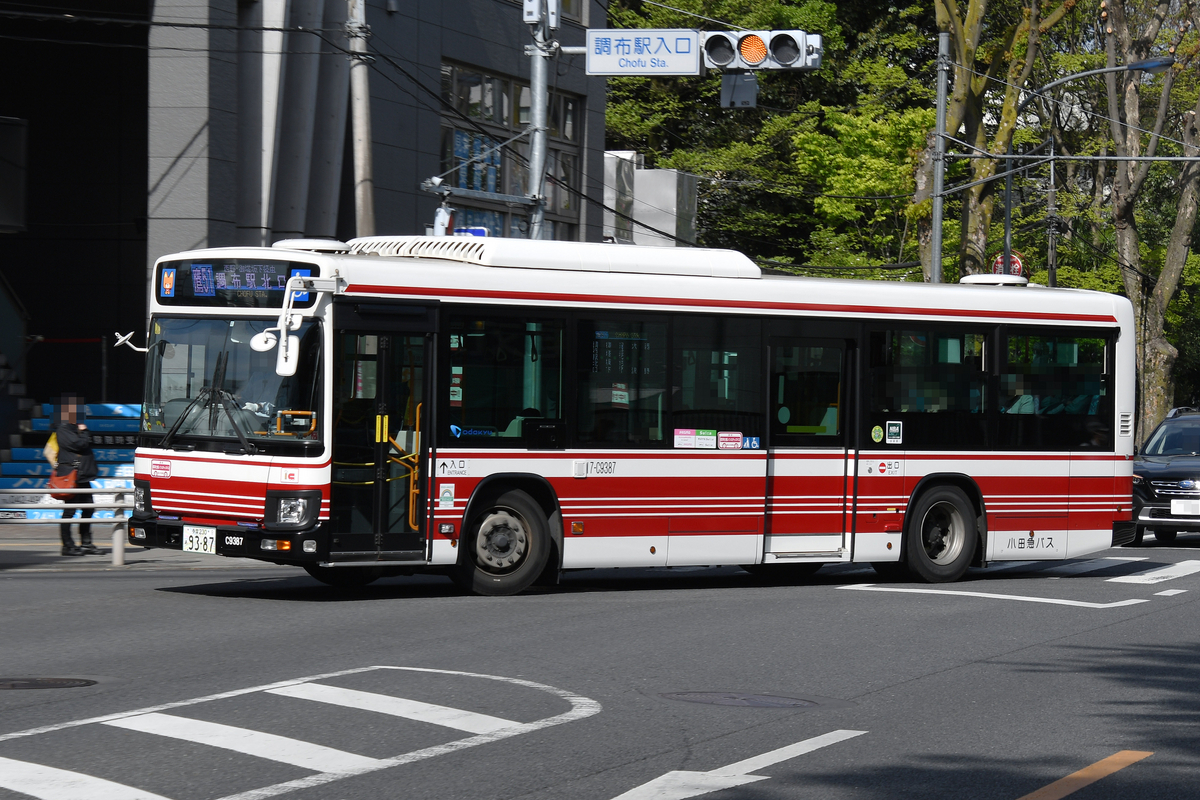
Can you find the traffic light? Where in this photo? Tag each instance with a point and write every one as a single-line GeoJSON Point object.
{"type": "Point", "coordinates": [754, 50]}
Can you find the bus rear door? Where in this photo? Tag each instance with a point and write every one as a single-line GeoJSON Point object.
{"type": "Point", "coordinates": [807, 486]}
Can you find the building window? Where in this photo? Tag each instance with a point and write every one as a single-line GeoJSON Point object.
{"type": "Point", "coordinates": [490, 109]}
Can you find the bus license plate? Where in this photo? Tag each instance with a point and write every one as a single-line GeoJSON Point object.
{"type": "Point", "coordinates": [1185, 508]}
{"type": "Point", "coordinates": [198, 539]}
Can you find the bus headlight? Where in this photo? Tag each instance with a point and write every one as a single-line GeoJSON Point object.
{"type": "Point", "coordinates": [292, 510]}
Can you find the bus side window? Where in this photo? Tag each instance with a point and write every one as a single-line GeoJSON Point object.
{"type": "Point", "coordinates": [717, 368]}
{"type": "Point", "coordinates": [503, 370]}
{"type": "Point", "coordinates": [622, 370]}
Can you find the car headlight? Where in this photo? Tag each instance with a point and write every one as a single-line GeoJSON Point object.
{"type": "Point", "coordinates": [1137, 480]}
{"type": "Point", "coordinates": [292, 510]}
{"type": "Point", "coordinates": [139, 498]}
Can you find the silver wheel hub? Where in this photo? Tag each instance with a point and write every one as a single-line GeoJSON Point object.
{"type": "Point", "coordinates": [503, 540]}
{"type": "Point", "coordinates": [943, 533]}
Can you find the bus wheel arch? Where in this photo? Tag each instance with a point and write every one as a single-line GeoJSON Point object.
{"type": "Point", "coordinates": [511, 535]}
{"type": "Point", "coordinates": [945, 500]}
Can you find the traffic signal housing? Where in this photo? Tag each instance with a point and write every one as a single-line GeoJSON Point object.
{"type": "Point", "coordinates": [755, 50]}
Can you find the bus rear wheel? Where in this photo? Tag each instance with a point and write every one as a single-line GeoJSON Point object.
{"type": "Point", "coordinates": [941, 536]}
{"type": "Point", "coordinates": [505, 546]}
{"type": "Point", "coordinates": [344, 576]}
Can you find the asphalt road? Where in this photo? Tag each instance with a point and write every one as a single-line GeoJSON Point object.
{"type": "Point", "coordinates": [226, 680]}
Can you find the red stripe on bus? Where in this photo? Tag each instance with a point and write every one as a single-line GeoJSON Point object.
{"type": "Point", "coordinates": [707, 303]}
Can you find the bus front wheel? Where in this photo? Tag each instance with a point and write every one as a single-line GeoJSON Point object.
{"type": "Point", "coordinates": [941, 536]}
{"type": "Point", "coordinates": [505, 546]}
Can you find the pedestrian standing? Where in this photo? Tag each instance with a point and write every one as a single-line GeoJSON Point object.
{"type": "Point", "coordinates": [75, 453]}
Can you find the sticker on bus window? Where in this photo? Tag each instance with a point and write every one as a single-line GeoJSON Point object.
{"type": "Point", "coordinates": [877, 434]}
{"type": "Point", "coordinates": [446, 496]}
{"type": "Point", "coordinates": [685, 437]}
{"type": "Point", "coordinates": [895, 433]}
{"type": "Point", "coordinates": [729, 440]}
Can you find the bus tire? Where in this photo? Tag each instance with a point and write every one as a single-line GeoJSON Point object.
{"type": "Point", "coordinates": [505, 547]}
{"type": "Point", "coordinates": [941, 536]}
{"type": "Point", "coordinates": [1165, 534]}
{"type": "Point", "coordinates": [344, 576]}
{"type": "Point", "coordinates": [783, 573]}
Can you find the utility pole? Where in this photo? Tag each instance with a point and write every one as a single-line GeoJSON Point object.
{"type": "Point", "coordinates": [542, 16]}
{"type": "Point", "coordinates": [1051, 245]}
{"type": "Point", "coordinates": [939, 159]}
{"type": "Point", "coordinates": [360, 112]}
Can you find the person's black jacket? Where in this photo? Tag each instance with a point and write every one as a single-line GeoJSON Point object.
{"type": "Point", "coordinates": [75, 452]}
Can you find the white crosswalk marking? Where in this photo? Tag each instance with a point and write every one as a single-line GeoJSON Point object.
{"type": "Point", "coordinates": [48, 783]}
{"type": "Point", "coordinates": [1180, 570]}
{"type": "Point", "coordinates": [255, 743]}
{"type": "Point", "coordinates": [1080, 567]}
{"type": "Point", "coordinates": [397, 707]}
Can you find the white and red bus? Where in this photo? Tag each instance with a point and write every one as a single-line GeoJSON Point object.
{"type": "Point", "coordinates": [500, 410]}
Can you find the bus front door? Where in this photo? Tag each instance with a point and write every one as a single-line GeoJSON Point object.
{"type": "Point", "coordinates": [380, 406]}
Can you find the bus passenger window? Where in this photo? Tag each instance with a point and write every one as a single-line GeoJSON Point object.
{"type": "Point", "coordinates": [717, 385]}
{"type": "Point", "coordinates": [503, 371]}
{"type": "Point", "coordinates": [1054, 392]}
{"type": "Point", "coordinates": [622, 382]}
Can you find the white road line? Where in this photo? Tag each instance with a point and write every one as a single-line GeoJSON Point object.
{"type": "Point", "coordinates": [867, 587]}
{"type": "Point", "coordinates": [683, 784]}
{"type": "Point", "coordinates": [784, 753]}
{"type": "Point", "coordinates": [48, 783]}
{"type": "Point", "coordinates": [1080, 567]}
{"type": "Point", "coordinates": [255, 743]}
{"type": "Point", "coordinates": [447, 717]}
{"type": "Point", "coordinates": [1170, 592]}
{"type": "Point", "coordinates": [1172, 572]}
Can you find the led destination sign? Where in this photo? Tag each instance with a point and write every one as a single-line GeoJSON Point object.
{"type": "Point", "coordinates": [237, 282]}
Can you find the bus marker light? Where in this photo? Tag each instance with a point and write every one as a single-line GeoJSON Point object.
{"type": "Point", "coordinates": [310, 545]}
{"type": "Point", "coordinates": [653, 551]}
{"type": "Point", "coordinates": [889, 545]}
{"type": "Point", "coordinates": [577, 529]}
{"type": "Point", "coordinates": [446, 528]}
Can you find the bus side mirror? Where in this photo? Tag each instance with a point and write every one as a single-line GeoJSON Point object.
{"type": "Point", "coordinates": [289, 357]}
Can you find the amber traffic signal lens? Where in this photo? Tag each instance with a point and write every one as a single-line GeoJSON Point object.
{"type": "Point", "coordinates": [753, 49]}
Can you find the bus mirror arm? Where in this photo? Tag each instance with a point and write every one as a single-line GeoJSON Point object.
{"type": "Point", "coordinates": [289, 346]}
{"type": "Point", "coordinates": [125, 340]}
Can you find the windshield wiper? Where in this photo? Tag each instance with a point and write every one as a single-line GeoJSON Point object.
{"type": "Point", "coordinates": [227, 400]}
{"type": "Point", "coordinates": [201, 396]}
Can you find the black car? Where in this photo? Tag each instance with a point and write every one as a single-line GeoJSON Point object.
{"type": "Point", "coordinates": [1166, 478]}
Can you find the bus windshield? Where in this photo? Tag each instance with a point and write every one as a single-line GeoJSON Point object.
{"type": "Point", "coordinates": [204, 380]}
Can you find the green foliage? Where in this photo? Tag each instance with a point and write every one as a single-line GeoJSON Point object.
{"type": "Point", "coordinates": [821, 173]}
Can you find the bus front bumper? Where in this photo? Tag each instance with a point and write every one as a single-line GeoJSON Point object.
{"type": "Point", "coordinates": [280, 547]}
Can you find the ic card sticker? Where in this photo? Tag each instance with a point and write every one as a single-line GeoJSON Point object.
{"type": "Point", "coordinates": [706, 439]}
{"type": "Point", "coordinates": [685, 437]}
